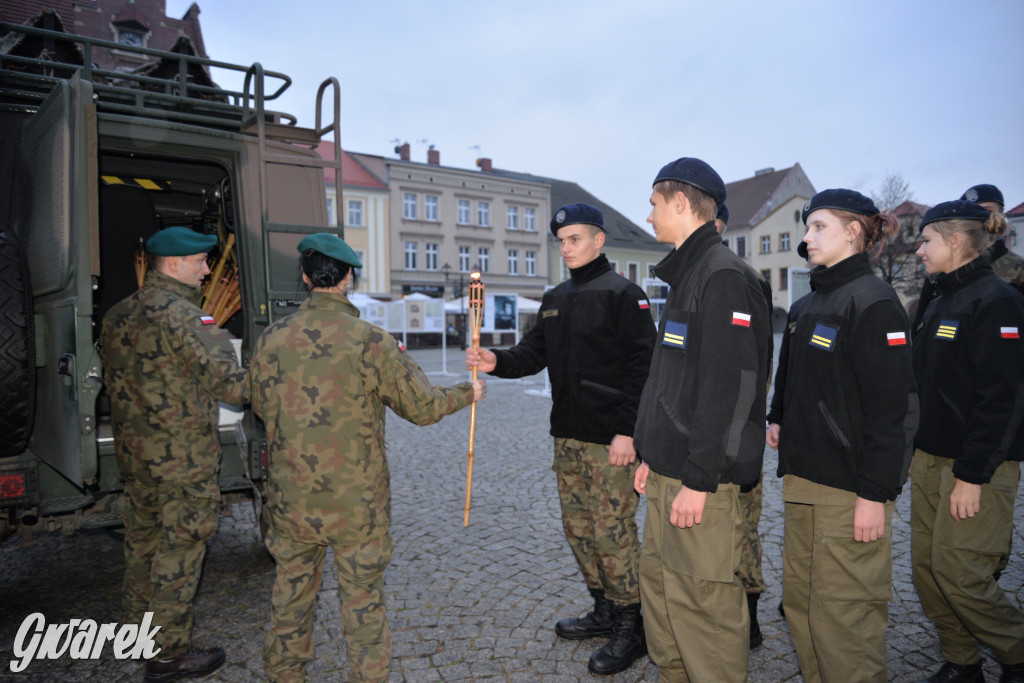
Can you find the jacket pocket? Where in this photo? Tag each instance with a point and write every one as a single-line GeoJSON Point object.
{"type": "Point", "coordinates": [837, 432]}
{"type": "Point", "coordinates": [591, 384]}
{"type": "Point", "coordinates": [673, 418]}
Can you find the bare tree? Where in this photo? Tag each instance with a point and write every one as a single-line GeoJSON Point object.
{"type": "Point", "coordinates": [895, 261]}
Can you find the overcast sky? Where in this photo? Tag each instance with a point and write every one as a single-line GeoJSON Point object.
{"type": "Point", "coordinates": [604, 93]}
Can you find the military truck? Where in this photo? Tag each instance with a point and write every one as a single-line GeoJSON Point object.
{"type": "Point", "coordinates": [92, 163]}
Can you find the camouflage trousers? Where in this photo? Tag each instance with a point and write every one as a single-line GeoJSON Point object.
{"type": "Point", "coordinates": [166, 530]}
{"type": "Point", "coordinates": [749, 573]}
{"type": "Point", "coordinates": [599, 517]}
{"type": "Point", "coordinates": [300, 567]}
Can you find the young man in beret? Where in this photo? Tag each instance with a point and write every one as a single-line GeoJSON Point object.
{"type": "Point", "coordinates": [594, 334]}
{"type": "Point", "coordinates": [166, 365]}
{"type": "Point", "coordinates": [700, 434]}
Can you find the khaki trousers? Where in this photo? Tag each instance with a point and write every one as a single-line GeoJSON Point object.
{"type": "Point", "coordinates": [835, 591]}
{"type": "Point", "coordinates": [695, 608]}
{"type": "Point", "coordinates": [954, 562]}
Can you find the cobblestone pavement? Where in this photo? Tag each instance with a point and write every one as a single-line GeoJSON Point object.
{"type": "Point", "coordinates": [465, 604]}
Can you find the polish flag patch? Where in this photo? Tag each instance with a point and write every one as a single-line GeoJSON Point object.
{"type": "Point", "coordinates": [644, 305]}
{"type": "Point", "coordinates": [401, 347]}
{"type": "Point", "coordinates": [1009, 332]}
{"type": "Point", "coordinates": [741, 319]}
{"type": "Point", "coordinates": [896, 338]}
{"type": "Point", "coordinates": [207, 320]}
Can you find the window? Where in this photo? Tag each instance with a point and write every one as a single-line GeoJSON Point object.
{"type": "Point", "coordinates": [430, 207]}
{"type": "Point", "coordinates": [783, 279]}
{"type": "Point", "coordinates": [410, 256]}
{"type": "Point", "coordinates": [766, 275]}
{"type": "Point", "coordinates": [741, 247]}
{"type": "Point", "coordinates": [766, 244]}
{"type": "Point", "coordinates": [357, 273]}
{"type": "Point", "coordinates": [409, 205]}
{"type": "Point", "coordinates": [129, 37]}
{"type": "Point", "coordinates": [430, 256]}
{"type": "Point", "coordinates": [614, 265]}
{"type": "Point", "coordinates": [784, 241]}
{"type": "Point", "coordinates": [330, 211]}
{"type": "Point", "coordinates": [513, 262]}
{"type": "Point", "coordinates": [631, 271]}
{"type": "Point", "coordinates": [483, 213]}
{"type": "Point", "coordinates": [513, 217]}
{"type": "Point", "coordinates": [463, 212]}
{"type": "Point", "coordinates": [531, 262]}
{"type": "Point", "coordinates": [355, 212]}
{"type": "Point", "coordinates": [463, 259]}
{"type": "Point", "coordinates": [484, 256]}
{"type": "Point", "coordinates": [530, 220]}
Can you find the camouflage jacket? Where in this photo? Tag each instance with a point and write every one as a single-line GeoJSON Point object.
{"type": "Point", "coordinates": [321, 380]}
{"type": "Point", "coordinates": [1009, 267]}
{"type": "Point", "coordinates": [166, 366]}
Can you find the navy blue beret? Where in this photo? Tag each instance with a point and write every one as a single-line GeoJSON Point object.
{"type": "Point", "coordinates": [723, 213]}
{"type": "Point", "coordinates": [958, 209]}
{"type": "Point", "coordinates": [574, 214]}
{"type": "Point", "coordinates": [841, 200]}
{"type": "Point", "coordinates": [695, 172]}
{"type": "Point", "coordinates": [331, 245]}
{"type": "Point", "coordinates": [180, 241]}
{"type": "Point", "coordinates": [802, 250]}
{"type": "Point", "coordinates": [984, 193]}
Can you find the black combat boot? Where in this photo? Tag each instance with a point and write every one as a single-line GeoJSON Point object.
{"type": "Point", "coordinates": [957, 673]}
{"type": "Point", "coordinates": [192, 664]}
{"type": "Point", "coordinates": [1012, 673]}
{"type": "Point", "coordinates": [755, 629]}
{"type": "Point", "coordinates": [593, 625]}
{"type": "Point", "coordinates": [627, 645]}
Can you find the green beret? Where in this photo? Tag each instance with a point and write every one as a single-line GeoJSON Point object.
{"type": "Point", "coordinates": [330, 245]}
{"type": "Point", "coordinates": [180, 241]}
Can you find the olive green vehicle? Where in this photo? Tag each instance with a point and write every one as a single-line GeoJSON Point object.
{"type": "Point", "coordinates": [91, 163]}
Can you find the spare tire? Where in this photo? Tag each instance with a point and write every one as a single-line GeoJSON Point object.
{"type": "Point", "coordinates": [17, 348]}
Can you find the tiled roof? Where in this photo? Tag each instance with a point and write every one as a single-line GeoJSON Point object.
{"type": "Point", "coordinates": [909, 208]}
{"type": "Point", "coordinates": [752, 199]}
{"type": "Point", "coordinates": [353, 172]}
{"type": "Point", "coordinates": [1016, 211]}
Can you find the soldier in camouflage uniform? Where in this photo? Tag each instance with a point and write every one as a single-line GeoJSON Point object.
{"type": "Point", "coordinates": [594, 335]}
{"type": "Point", "coordinates": [1008, 266]}
{"type": "Point", "coordinates": [166, 365]}
{"type": "Point", "coordinates": [322, 379]}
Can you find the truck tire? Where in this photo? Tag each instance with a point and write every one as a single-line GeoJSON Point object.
{"type": "Point", "coordinates": [17, 348]}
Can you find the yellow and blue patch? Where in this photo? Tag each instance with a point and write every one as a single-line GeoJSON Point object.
{"type": "Point", "coordinates": [675, 334]}
{"type": "Point", "coordinates": [947, 330]}
{"type": "Point", "coordinates": [824, 337]}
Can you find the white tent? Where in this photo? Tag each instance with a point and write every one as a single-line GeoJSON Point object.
{"type": "Point", "coordinates": [523, 305]}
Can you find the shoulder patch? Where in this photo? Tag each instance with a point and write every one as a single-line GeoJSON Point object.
{"type": "Point", "coordinates": [1009, 332]}
{"type": "Point", "coordinates": [550, 313]}
{"type": "Point", "coordinates": [401, 347]}
{"type": "Point", "coordinates": [644, 304]}
{"type": "Point", "coordinates": [207, 320]}
{"type": "Point", "coordinates": [896, 338]}
{"type": "Point", "coordinates": [741, 319]}
{"type": "Point", "coordinates": [675, 334]}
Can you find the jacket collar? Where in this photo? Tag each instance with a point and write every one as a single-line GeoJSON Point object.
{"type": "Point", "coordinates": [591, 270]}
{"type": "Point", "coordinates": [947, 283]}
{"type": "Point", "coordinates": [326, 301]}
{"type": "Point", "coordinates": [154, 278]}
{"type": "Point", "coordinates": [850, 268]}
{"type": "Point", "coordinates": [681, 260]}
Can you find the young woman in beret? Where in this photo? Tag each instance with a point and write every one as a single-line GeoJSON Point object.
{"type": "Point", "coordinates": [969, 363]}
{"type": "Point", "coordinates": [842, 418]}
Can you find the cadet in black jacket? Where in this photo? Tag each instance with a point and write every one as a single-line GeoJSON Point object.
{"type": "Point", "coordinates": [700, 434]}
{"type": "Point", "coordinates": [842, 417]}
{"type": "Point", "coordinates": [594, 334]}
{"type": "Point", "coordinates": [969, 362]}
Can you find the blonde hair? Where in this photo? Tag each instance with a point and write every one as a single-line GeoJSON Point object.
{"type": "Point", "coordinates": [976, 233]}
{"type": "Point", "coordinates": [704, 205]}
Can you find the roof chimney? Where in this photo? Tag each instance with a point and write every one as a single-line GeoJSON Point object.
{"type": "Point", "coordinates": [403, 151]}
{"type": "Point", "coordinates": [433, 156]}
{"type": "Point", "coordinates": [484, 164]}
{"type": "Point", "coordinates": [764, 171]}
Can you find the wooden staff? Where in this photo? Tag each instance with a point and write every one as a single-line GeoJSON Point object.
{"type": "Point", "coordinates": [476, 321]}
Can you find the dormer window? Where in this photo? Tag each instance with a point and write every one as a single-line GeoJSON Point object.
{"type": "Point", "coordinates": [130, 37]}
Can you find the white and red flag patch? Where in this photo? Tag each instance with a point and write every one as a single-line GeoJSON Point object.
{"type": "Point", "coordinates": [741, 319]}
{"type": "Point", "coordinates": [896, 338]}
{"type": "Point", "coordinates": [207, 320]}
{"type": "Point", "coordinates": [1009, 332]}
{"type": "Point", "coordinates": [644, 305]}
